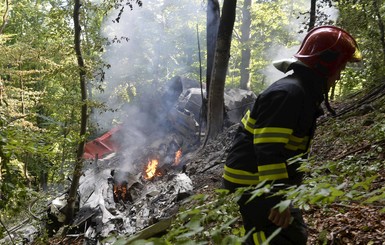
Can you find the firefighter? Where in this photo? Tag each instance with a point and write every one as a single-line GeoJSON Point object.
{"type": "Point", "coordinates": [275, 135]}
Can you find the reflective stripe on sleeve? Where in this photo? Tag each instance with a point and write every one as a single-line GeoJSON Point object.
{"type": "Point", "coordinates": [272, 135]}
{"type": "Point", "coordinates": [273, 171]}
{"type": "Point", "coordinates": [296, 143]}
{"type": "Point", "coordinates": [248, 122]}
{"type": "Point", "coordinates": [240, 176]}
{"type": "Point", "coordinates": [259, 237]}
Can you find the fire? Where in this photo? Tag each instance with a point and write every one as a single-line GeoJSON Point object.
{"type": "Point", "coordinates": [120, 192]}
{"type": "Point", "coordinates": [151, 169]}
{"type": "Point", "coordinates": [178, 155]}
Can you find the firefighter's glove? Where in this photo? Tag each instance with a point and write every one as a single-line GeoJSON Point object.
{"type": "Point", "coordinates": [281, 219]}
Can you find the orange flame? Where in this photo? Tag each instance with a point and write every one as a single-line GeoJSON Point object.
{"type": "Point", "coordinates": [151, 169]}
{"type": "Point", "coordinates": [120, 191]}
{"type": "Point", "coordinates": [178, 155]}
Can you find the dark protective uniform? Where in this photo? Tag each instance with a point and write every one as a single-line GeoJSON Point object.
{"type": "Point", "coordinates": [270, 140]}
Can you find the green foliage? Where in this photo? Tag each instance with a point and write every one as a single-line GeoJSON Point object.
{"type": "Point", "coordinates": [343, 182]}
{"type": "Point", "coordinates": [40, 98]}
{"type": "Point", "coordinates": [364, 20]}
{"type": "Point", "coordinates": [203, 219]}
{"type": "Point", "coordinates": [269, 40]}
{"type": "Point", "coordinates": [351, 177]}
{"type": "Point", "coordinates": [206, 220]}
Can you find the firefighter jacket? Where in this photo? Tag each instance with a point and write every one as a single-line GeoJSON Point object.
{"type": "Point", "coordinates": [276, 132]}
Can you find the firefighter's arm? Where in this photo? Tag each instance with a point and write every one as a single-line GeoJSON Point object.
{"type": "Point", "coordinates": [276, 118]}
{"type": "Point", "coordinates": [275, 121]}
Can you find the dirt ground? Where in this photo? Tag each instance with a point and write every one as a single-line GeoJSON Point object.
{"type": "Point", "coordinates": [335, 224]}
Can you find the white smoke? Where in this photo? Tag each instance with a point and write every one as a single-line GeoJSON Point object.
{"type": "Point", "coordinates": [296, 24]}
{"type": "Point", "coordinates": [141, 42]}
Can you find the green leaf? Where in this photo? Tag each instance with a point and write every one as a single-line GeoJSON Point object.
{"type": "Point", "coordinates": [283, 205]}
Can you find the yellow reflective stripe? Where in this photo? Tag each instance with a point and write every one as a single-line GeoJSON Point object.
{"type": "Point", "coordinates": [240, 176]}
{"type": "Point", "coordinates": [265, 172]}
{"type": "Point", "coordinates": [273, 130]}
{"type": "Point", "coordinates": [273, 172]}
{"type": "Point", "coordinates": [248, 122]}
{"type": "Point", "coordinates": [272, 135]}
{"type": "Point", "coordinates": [259, 237]}
{"type": "Point", "coordinates": [296, 143]}
{"type": "Point", "coordinates": [304, 145]}
{"type": "Point", "coordinates": [296, 139]}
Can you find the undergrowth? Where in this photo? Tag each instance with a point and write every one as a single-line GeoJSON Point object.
{"type": "Point", "coordinates": [347, 166]}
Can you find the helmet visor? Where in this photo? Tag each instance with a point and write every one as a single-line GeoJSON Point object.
{"type": "Point", "coordinates": [357, 56]}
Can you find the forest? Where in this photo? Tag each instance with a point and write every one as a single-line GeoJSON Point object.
{"type": "Point", "coordinates": [73, 71]}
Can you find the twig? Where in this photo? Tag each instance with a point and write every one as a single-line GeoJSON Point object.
{"type": "Point", "coordinates": [333, 233]}
{"type": "Point", "coordinates": [75, 235]}
{"type": "Point", "coordinates": [373, 95]}
{"type": "Point", "coordinates": [15, 228]}
{"type": "Point", "coordinates": [380, 142]}
{"type": "Point", "coordinates": [9, 234]}
{"type": "Point", "coordinates": [30, 211]}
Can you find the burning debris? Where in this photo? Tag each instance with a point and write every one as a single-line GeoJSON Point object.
{"type": "Point", "coordinates": [125, 197]}
{"type": "Point", "coordinates": [154, 169]}
{"type": "Point", "coordinates": [132, 180]}
{"type": "Point", "coordinates": [119, 202]}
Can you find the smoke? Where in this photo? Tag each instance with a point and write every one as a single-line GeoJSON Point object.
{"type": "Point", "coordinates": [146, 46]}
{"type": "Point", "coordinates": [326, 14]}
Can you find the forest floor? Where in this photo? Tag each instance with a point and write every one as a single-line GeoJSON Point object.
{"type": "Point", "coordinates": [355, 139]}
{"type": "Point", "coordinates": [350, 145]}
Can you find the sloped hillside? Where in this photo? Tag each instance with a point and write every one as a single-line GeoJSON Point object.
{"type": "Point", "coordinates": [349, 153]}
{"type": "Point", "coordinates": [344, 200]}
{"type": "Point", "coordinates": [342, 195]}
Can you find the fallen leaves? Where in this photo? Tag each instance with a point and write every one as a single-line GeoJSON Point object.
{"type": "Point", "coordinates": [346, 224]}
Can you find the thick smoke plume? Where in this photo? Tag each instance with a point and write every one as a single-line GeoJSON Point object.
{"type": "Point", "coordinates": [147, 46]}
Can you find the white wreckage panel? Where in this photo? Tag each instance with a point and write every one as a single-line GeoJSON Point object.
{"type": "Point", "coordinates": [152, 201]}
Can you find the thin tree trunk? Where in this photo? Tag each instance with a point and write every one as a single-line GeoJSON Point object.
{"type": "Point", "coordinates": [21, 87]}
{"type": "Point", "coordinates": [312, 18]}
{"type": "Point", "coordinates": [5, 17]}
{"type": "Point", "coordinates": [380, 26]}
{"type": "Point", "coordinates": [72, 196]}
{"type": "Point", "coordinates": [221, 61]}
{"type": "Point", "coordinates": [213, 17]}
{"type": "Point", "coordinates": [246, 52]}
{"type": "Point", "coordinates": [332, 92]}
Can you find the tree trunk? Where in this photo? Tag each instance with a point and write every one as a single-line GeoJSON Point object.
{"type": "Point", "coordinates": [246, 52]}
{"type": "Point", "coordinates": [72, 196]}
{"type": "Point", "coordinates": [221, 61]}
{"type": "Point", "coordinates": [213, 16]}
{"type": "Point", "coordinates": [332, 92]}
{"type": "Point", "coordinates": [5, 17]}
{"type": "Point", "coordinates": [312, 19]}
{"type": "Point", "coordinates": [21, 82]}
{"type": "Point", "coordinates": [380, 26]}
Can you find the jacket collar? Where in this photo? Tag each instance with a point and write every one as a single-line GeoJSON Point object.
{"type": "Point", "coordinates": [310, 80]}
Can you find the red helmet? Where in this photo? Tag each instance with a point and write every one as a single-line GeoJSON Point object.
{"type": "Point", "coordinates": [327, 48]}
